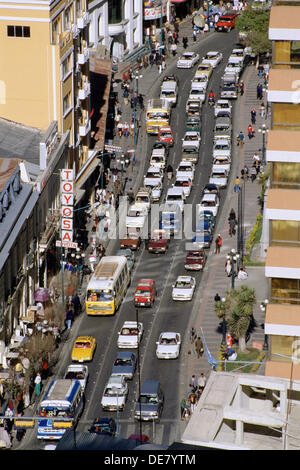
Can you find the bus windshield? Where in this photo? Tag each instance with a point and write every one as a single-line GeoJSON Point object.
{"type": "Point", "coordinates": [156, 115]}
{"type": "Point", "coordinates": [54, 412]}
{"type": "Point", "coordinates": [99, 295]}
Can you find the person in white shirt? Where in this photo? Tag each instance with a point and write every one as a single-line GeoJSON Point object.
{"type": "Point", "coordinates": [242, 274]}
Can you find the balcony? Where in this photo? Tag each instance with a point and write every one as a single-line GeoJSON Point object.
{"type": "Point", "coordinates": [84, 90]}
{"type": "Point", "coordinates": [114, 29]}
{"type": "Point", "coordinates": [65, 43]}
{"type": "Point", "coordinates": [84, 126]}
{"type": "Point", "coordinates": [83, 57]}
{"type": "Point", "coordinates": [83, 20]}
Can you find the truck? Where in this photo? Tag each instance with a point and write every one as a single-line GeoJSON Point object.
{"type": "Point", "coordinates": [226, 23]}
{"type": "Point", "coordinates": [229, 88]}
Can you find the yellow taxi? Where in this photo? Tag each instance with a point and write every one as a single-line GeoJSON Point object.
{"type": "Point", "coordinates": [204, 69]}
{"type": "Point", "coordinates": [83, 349]}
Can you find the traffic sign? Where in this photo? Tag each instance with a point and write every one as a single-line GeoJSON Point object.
{"type": "Point", "coordinates": [66, 244]}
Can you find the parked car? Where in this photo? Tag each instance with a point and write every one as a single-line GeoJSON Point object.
{"type": "Point", "coordinates": [145, 293]}
{"type": "Point", "coordinates": [212, 58]}
{"type": "Point", "coordinates": [200, 80]}
{"type": "Point", "coordinates": [195, 260]}
{"type": "Point", "coordinates": [124, 364]}
{"type": "Point", "coordinates": [188, 60]}
{"type": "Point", "coordinates": [115, 394]}
{"type": "Point", "coordinates": [130, 334]}
{"type": "Point", "coordinates": [222, 162]}
{"type": "Point", "coordinates": [158, 160]}
{"type": "Point", "coordinates": [184, 288]}
{"type": "Point", "coordinates": [211, 188]}
{"type": "Point", "coordinates": [106, 426]}
{"type": "Point", "coordinates": [168, 345]}
{"type": "Point", "coordinates": [162, 146]}
{"type": "Point", "coordinates": [207, 215]}
{"type": "Point", "coordinates": [193, 108]}
{"type": "Point", "coordinates": [83, 349]}
{"type": "Point", "coordinates": [197, 93]}
{"type": "Point", "coordinates": [156, 192]}
{"type": "Point", "coordinates": [78, 372]}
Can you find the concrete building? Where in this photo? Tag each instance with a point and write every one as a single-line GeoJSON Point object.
{"type": "Point", "coordinates": [30, 161]}
{"type": "Point", "coordinates": [282, 208]}
{"type": "Point", "coordinates": [246, 412]}
{"type": "Point", "coordinates": [44, 69]}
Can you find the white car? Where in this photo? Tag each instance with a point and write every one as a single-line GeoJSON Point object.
{"type": "Point", "coordinates": [197, 94]}
{"type": "Point", "coordinates": [115, 393]}
{"type": "Point", "coordinates": [158, 158]}
{"type": "Point", "coordinates": [222, 108]}
{"type": "Point", "coordinates": [184, 288]}
{"type": "Point", "coordinates": [153, 177]}
{"type": "Point", "coordinates": [222, 162]}
{"type": "Point", "coordinates": [191, 139]}
{"type": "Point", "coordinates": [222, 148]}
{"type": "Point", "coordinates": [176, 196]}
{"type": "Point", "coordinates": [234, 67]}
{"type": "Point", "coordinates": [218, 177]}
{"type": "Point", "coordinates": [200, 81]}
{"type": "Point", "coordinates": [186, 169]}
{"type": "Point", "coordinates": [130, 335]}
{"type": "Point", "coordinates": [187, 60]}
{"type": "Point", "coordinates": [156, 192]}
{"type": "Point", "coordinates": [185, 183]}
{"type": "Point", "coordinates": [209, 202]}
{"type": "Point", "coordinates": [212, 58]}
{"type": "Point", "coordinates": [168, 345]}
{"type": "Point", "coordinates": [136, 217]}
{"type": "Point", "coordinates": [239, 52]}
{"type": "Point", "coordinates": [78, 372]}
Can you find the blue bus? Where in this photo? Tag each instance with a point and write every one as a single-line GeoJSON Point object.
{"type": "Point", "coordinates": [60, 408]}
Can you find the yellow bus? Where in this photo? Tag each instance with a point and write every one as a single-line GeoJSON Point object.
{"type": "Point", "coordinates": [108, 285]}
{"type": "Point", "coordinates": [158, 114]}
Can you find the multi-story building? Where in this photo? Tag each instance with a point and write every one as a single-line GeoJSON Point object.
{"type": "Point", "coordinates": [44, 68]}
{"type": "Point", "coordinates": [282, 209]}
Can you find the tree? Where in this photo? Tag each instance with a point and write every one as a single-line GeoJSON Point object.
{"type": "Point", "coordinates": [241, 313]}
{"type": "Point", "coordinates": [255, 23]}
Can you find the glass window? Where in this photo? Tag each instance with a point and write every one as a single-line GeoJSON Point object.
{"type": "Point", "coordinates": [281, 346]}
{"type": "Point", "coordinates": [286, 175]}
{"type": "Point", "coordinates": [285, 290]}
{"type": "Point", "coordinates": [286, 116]}
{"type": "Point", "coordinates": [285, 232]}
{"type": "Point", "coordinates": [287, 53]}
{"type": "Point", "coordinates": [66, 66]}
{"type": "Point", "coordinates": [67, 19]}
{"type": "Point", "coordinates": [18, 31]}
{"type": "Point", "coordinates": [115, 11]}
{"type": "Point", "coordinates": [55, 32]}
{"type": "Point", "coordinates": [67, 103]}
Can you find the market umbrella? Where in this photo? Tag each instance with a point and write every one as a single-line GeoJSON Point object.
{"type": "Point", "coordinates": [41, 294]}
{"type": "Point", "coordinates": [199, 21]}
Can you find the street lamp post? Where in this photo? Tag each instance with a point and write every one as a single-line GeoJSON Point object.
{"type": "Point", "coordinates": [224, 325]}
{"type": "Point", "coordinates": [263, 130]}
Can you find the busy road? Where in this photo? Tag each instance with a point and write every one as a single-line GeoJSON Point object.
{"type": "Point", "coordinates": [166, 314]}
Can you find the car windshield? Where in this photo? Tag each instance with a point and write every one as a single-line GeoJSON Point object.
{"type": "Point", "coordinates": [129, 332]}
{"type": "Point", "coordinates": [184, 168]}
{"type": "Point", "coordinates": [82, 345]}
{"type": "Point", "coordinates": [114, 391]}
{"type": "Point", "coordinates": [191, 137]}
{"type": "Point", "coordinates": [142, 199]}
{"type": "Point", "coordinates": [222, 127]}
{"type": "Point", "coordinates": [142, 292]}
{"type": "Point", "coordinates": [168, 341]}
{"type": "Point", "coordinates": [208, 203]}
{"type": "Point", "coordinates": [218, 175]}
{"type": "Point", "coordinates": [152, 175]}
{"type": "Point", "coordinates": [134, 213]}
{"type": "Point", "coordinates": [221, 147]}
{"type": "Point", "coordinates": [183, 285]}
{"type": "Point", "coordinates": [156, 115]}
{"type": "Point", "coordinates": [101, 428]}
{"type": "Point", "coordinates": [50, 411]}
{"type": "Point", "coordinates": [122, 362]}
{"type": "Point", "coordinates": [166, 135]}
{"type": "Point", "coordinates": [148, 399]}
{"type": "Point", "coordinates": [174, 197]}
{"type": "Point", "coordinates": [196, 255]}
{"type": "Point", "coordinates": [99, 296]}
{"type": "Point", "coordinates": [75, 375]}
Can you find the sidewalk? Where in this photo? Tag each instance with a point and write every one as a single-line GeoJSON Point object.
{"type": "Point", "coordinates": [215, 279]}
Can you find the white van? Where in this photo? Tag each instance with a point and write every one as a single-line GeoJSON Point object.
{"type": "Point", "coordinates": [176, 196]}
{"type": "Point", "coordinates": [168, 91]}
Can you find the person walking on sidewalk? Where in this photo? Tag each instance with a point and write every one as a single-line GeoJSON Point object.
{"type": "Point", "coordinates": [201, 382]}
{"type": "Point", "coordinates": [240, 139]}
{"type": "Point", "coordinates": [253, 116]}
{"type": "Point", "coordinates": [174, 49]}
{"type": "Point", "coordinates": [251, 131]}
{"type": "Point", "coordinates": [218, 243]}
{"type": "Point", "coordinates": [253, 173]}
{"type": "Point", "coordinates": [185, 41]}
{"type": "Point", "coordinates": [199, 347]}
{"type": "Point", "coordinates": [237, 184]}
{"type": "Point", "coordinates": [192, 334]}
{"type": "Point", "coordinates": [241, 87]}
{"type": "Point", "coordinates": [259, 91]}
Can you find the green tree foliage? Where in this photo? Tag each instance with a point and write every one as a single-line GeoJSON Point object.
{"type": "Point", "coordinates": [241, 311]}
{"type": "Point", "coordinates": [255, 23]}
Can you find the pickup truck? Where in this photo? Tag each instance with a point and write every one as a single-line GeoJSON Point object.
{"type": "Point", "coordinates": [226, 23]}
{"type": "Point", "coordinates": [158, 242]}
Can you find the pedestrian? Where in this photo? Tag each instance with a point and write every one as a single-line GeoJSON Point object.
{"type": "Point", "coordinates": [120, 129]}
{"type": "Point", "coordinates": [217, 298]}
{"type": "Point", "coordinates": [182, 408]}
{"type": "Point", "coordinates": [259, 91]}
{"type": "Point", "coordinates": [201, 381]}
{"type": "Point", "coordinates": [262, 111]}
{"type": "Point", "coordinates": [246, 173]}
{"type": "Point", "coordinates": [240, 139]}
{"type": "Point", "coordinates": [199, 347]}
{"type": "Point", "coordinates": [253, 116]}
{"type": "Point", "coordinates": [228, 266]}
{"type": "Point", "coordinates": [192, 401]}
{"type": "Point", "coordinates": [218, 243]}
{"type": "Point", "coordinates": [253, 173]}
{"type": "Point", "coordinates": [151, 59]}
{"type": "Point", "coordinates": [256, 158]}
{"type": "Point", "coordinates": [195, 35]}
{"type": "Point", "coordinates": [37, 384]}
{"type": "Point", "coordinates": [241, 87]}
{"type": "Point", "coordinates": [69, 316]}
{"type": "Point", "coordinates": [192, 334]}
{"type": "Point", "coordinates": [126, 96]}
{"type": "Point", "coordinates": [242, 274]}
{"type": "Point", "coordinates": [237, 184]}
{"type": "Point", "coordinates": [141, 100]}
{"type": "Point", "coordinates": [174, 49]}
{"type": "Point", "coordinates": [185, 41]}
{"type": "Point", "coordinates": [251, 131]}
{"type": "Point", "coordinates": [45, 369]}
{"type": "Point", "coordinates": [101, 251]}
{"type": "Point", "coordinates": [126, 130]}
{"type": "Point", "coordinates": [76, 304]}
{"type": "Point", "coordinates": [193, 382]}
{"type": "Point", "coordinates": [232, 225]}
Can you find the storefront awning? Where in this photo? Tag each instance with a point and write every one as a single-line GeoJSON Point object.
{"type": "Point", "coordinates": [85, 172]}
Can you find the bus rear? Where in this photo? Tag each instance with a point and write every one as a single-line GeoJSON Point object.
{"type": "Point", "coordinates": [157, 115]}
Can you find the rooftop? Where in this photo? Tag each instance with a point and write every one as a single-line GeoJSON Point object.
{"type": "Point", "coordinates": [19, 141]}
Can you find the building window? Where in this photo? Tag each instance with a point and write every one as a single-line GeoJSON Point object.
{"type": "Point", "coordinates": [285, 232]}
{"type": "Point", "coordinates": [67, 103]}
{"type": "Point", "coordinates": [18, 31]}
{"type": "Point", "coordinates": [281, 348]}
{"type": "Point", "coordinates": [286, 175]}
{"type": "Point", "coordinates": [287, 54]}
{"type": "Point", "coordinates": [67, 19]}
{"type": "Point", "coordinates": [115, 11]}
{"type": "Point", "coordinates": [55, 32]}
{"type": "Point", "coordinates": [66, 66]}
{"type": "Point", "coordinates": [285, 291]}
{"type": "Point", "coordinates": [286, 116]}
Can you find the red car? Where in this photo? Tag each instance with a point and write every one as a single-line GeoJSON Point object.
{"type": "Point", "coordinates": [145, 293]}
{"type": "Point", "coordinates": [132, 242]}
{"type": "Point", "coordinates": [165, 134]}
{"type": "Point", "coordinates": [195, 260]}
{"type": "Point", "coordinates": [158, 242]}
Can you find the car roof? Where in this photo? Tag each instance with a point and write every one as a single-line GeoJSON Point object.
{"type": "Point", "coordinates": [145, 282]}
{"type": "Point", "coordinates": [116, 379]}
{"type": "Point", "coordinates": [168, 334]}
{"type": "Point", "coordinates": [184, 278]}
{"type": "Point", "coordinates": [84, 338]}
{"type": "Point", "coordinates": [130, 323]}
{"type": "Point", "coordinates": [209, 197]}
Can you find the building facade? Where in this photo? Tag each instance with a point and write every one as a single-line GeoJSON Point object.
{"type": "Point", "coordinates": [44, 68]}
{"type": "Point", "coordinates": [282, 208]}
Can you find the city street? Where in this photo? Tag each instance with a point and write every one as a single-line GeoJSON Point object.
{"type": "Point", "coordinates": [166, 314]}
